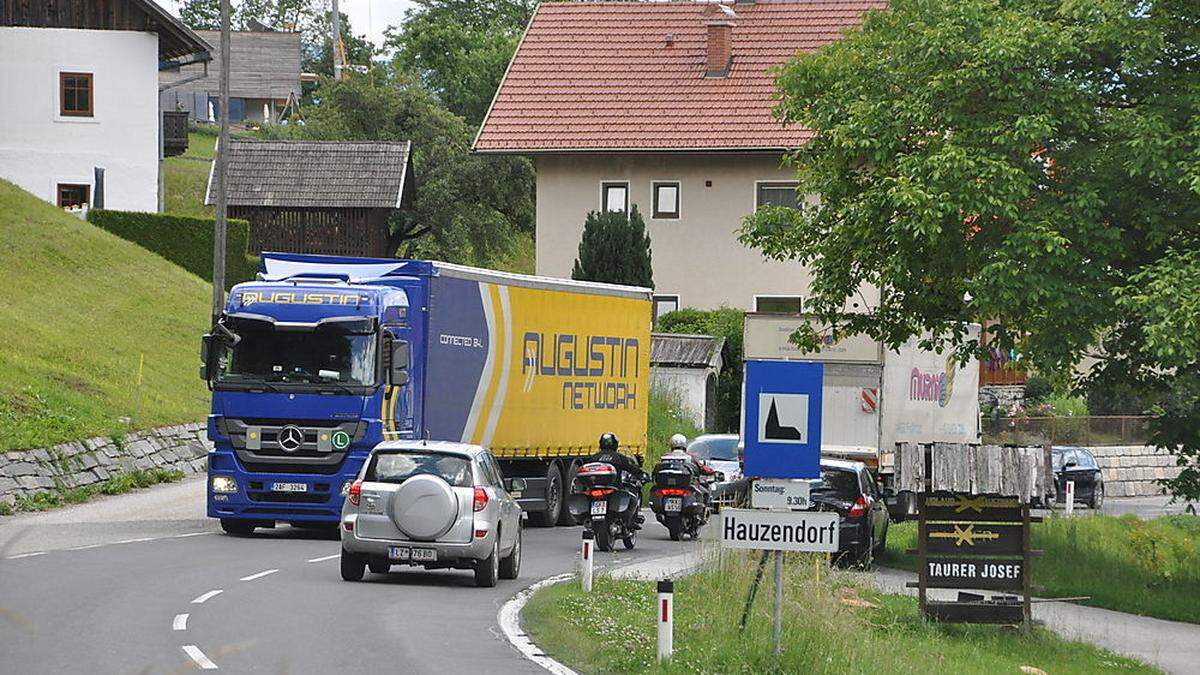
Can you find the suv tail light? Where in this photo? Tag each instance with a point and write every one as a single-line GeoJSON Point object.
{"type": "Point", "coordinates": [860, 507]}
{"type": "Point", "coordinates": [481, 499]}
{"type": "Point", "coordinates": [355, 492]}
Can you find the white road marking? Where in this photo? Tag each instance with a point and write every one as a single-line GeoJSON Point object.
{"type": "Point", "coordinates": [134, 541]}
{"type": "Point", "coordinates": [200, 600]}
{"type": "Point", "coordinates": [190, 534]}
{"type": "Point", "coordinates": [328, 557]}
{"type": "Point", "coordinates": [180, 622]}
{"type": "Point", "coordinates": [198, 656]}
{"type": "Point", "coordinates": [509, 619]}
{"type": "Point", "coordinates": [259, 575]}
{"type": "Point", "coordinates": [27, 555]}
{"type": "Point", "coordinates": [85, 547]}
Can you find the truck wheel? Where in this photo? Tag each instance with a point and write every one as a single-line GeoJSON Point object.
{"type": "Point", "coordinates": [554, 499]}
{"type": "Point", "coordinates": [238, 528]}
{"type": "Point", "coordinates": [352, 566]}
{"type": "Point", "coordinates": [564, 514]}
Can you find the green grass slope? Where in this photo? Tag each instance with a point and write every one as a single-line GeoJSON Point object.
{"type": "Point", "coordinates": [81, 310]}
{"type": "Point", "coordinates": [185, 178]}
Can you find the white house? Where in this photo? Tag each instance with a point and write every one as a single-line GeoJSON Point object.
{"type": "Point", "coordinates": [79, 117]}
{"type": "Point", "coordinates": [685, 368]}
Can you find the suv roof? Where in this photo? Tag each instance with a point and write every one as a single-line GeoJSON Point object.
{"type": "Point", "coordinates": [844, 464]}
{"type": "Point", "coordinates": [453, 447]}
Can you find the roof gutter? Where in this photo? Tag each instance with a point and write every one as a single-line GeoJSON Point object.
{"type": "Point", "coordinates": [634, 150]}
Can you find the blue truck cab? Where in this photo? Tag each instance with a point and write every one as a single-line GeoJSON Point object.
{"type": "Point", "coordinates": [309, 368]}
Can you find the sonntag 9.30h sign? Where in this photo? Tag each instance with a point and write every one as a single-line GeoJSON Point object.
{"type": "Point", "coordinates": [781, 419]}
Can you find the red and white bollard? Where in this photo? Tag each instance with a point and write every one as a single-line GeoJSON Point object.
{"type": "Point", "coordinates": [666, 619]}
{"type": "Point", "coordinates": [1070, 497]}
{"type": "Point", "coordinates": [586, 553]}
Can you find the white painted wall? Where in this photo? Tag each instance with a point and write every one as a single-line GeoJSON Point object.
{"type": "Point", "coordinates": [686, 385]}
{"type": "Point", "coordinates": [39, 148]}
{"type": "Point", "coordinates": [696, 256]}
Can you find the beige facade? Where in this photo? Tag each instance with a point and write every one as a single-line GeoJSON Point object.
{"type": "Point", "coordinates": [696, 256]}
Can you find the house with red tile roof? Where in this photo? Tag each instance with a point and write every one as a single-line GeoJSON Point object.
{"type": "Point", "coordinates": [666, 105]}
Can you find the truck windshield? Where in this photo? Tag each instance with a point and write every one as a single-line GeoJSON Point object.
{"type": "Point", "coordinates": [332, 353]}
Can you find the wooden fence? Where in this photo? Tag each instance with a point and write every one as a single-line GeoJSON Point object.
{"type": "Point", "coordinates": [1022, 472]}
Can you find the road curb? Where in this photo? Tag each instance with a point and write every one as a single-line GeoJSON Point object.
{"type": "Point", "coordinates": [509, 616]}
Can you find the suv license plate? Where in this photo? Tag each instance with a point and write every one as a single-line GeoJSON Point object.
{"type": "Point", "coordinates": [599, 508]}
{"type": "Point", "coordinates": [289, 487]}
{"type": "Point", "coordinates": [406, 554]}
{"type": "Point", "coordinates": [673, 504]}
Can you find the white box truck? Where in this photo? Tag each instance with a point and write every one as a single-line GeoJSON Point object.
{"type": "Point", "coordinates": [874, 398]}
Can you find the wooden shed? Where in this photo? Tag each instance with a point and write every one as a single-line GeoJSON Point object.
{"type": "Point", "coordinates": [331, 197]}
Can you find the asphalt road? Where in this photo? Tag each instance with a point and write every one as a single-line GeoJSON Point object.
{"type": "Point", "coordinates": [144, 583]}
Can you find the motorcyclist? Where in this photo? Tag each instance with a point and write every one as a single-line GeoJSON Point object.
{"type": "Point", "coordinates": [629, 467]}
{"type": "Point", "coordinates": [701, 472]}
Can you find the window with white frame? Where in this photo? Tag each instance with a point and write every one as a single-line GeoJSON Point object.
{"type": "Point", "coordinates": [776, 193]}
{"type": "Point", "coordinates": [614, 196]}
{"type": "Point", "coordinates": [778, 304]}
{"type": "Point", "coordinates": [666, 199]}
{"type": "Point", "coordinates": [664, 304]}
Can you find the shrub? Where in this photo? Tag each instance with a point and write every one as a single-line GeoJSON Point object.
{"type": "Point", "coordinates": [183, 240]}
{"type": "Point", "coordinates": [615, 249]}
{"type": "Point", "coordinates": [726, 323]}
{"type": "Point", "coordinates": [1037, 390]}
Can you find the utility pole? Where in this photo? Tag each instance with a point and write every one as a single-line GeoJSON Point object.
{"type": "Point", "coordinates": [336, 44]}
{"type": "Point", "coordinates": [218, 282]}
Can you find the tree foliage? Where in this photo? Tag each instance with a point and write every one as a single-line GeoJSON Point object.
{"type": "Point", "coordinates": [615, 249]}
{"type": "Point", "coordinates": [468, 208]}
{"type": "Point", "coordinates": [460, 48]}
{"type": "Point", "coordinates": [1036, 162]}
{"type": "Point", "coordinates": [727, 323]}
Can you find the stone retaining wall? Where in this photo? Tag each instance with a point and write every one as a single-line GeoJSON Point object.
{"type": "Point", "coordinates": [81, 463]}
{"type": "Point", "coordinates": [1131, 470]}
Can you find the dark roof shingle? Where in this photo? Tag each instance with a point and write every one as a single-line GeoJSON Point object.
{"type": "Point", "coordinates": [332, 174]}
{"type": "Point", "coordinates": [603, 76]}
{"type": "Point", "coordinates": [685, 351]}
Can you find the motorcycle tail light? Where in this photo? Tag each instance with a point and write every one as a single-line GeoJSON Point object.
{"type": "Point", "coordinates": [675, 492]}
{"type": "Point", "coordinates": [601, 493]}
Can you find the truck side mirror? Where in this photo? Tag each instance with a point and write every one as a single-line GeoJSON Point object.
{"type": "Point", "coordinates": [208, 356]}
{"type": "Point", "coordinates": [398, 371]}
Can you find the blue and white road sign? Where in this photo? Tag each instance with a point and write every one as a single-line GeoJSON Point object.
{"type": "Point", "coordinates": [781, 420]}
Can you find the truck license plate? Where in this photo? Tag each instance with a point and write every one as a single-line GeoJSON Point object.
{"type": "Point", "coordinates": [673, 504]}
{"type": "Point", "coordinates": [289, 487]}
{"type": "Point", "coordinates": [599, 508]}
{"type": "Point", "coordinates": [406, 554]}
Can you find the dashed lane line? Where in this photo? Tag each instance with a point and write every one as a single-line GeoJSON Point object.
{"type": "Point", "coordinates": [136, 540]}
{"type": "Point", "coordinates": [324, 558]}
{"type": "Point", "coordinates": [198, 657]}
{"type": "Point", "coordinates": [27, 555]}
{"type": "Point", "coordinates": [190, 534]}
{"type": "Point", "coordinates": [258, 575]}
{"type": "Point", "coordinates": [200, 600]}
{"type": "Point", "coordinates": [180, 622]}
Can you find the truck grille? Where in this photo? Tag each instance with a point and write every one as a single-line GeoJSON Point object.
{"type": "Point", "coordinates": [289, 497]}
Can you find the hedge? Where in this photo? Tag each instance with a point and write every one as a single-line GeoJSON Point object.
{"type": "Point", "coordinates": [185, 241]}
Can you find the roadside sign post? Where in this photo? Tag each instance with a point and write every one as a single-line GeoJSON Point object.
{"type": "Point", "coordinates": [1070, 497]}
{"type": "Point", "coordinates": [666, 619]}
{"type": "Point", "coordinates": [777, 629]}
{"type": "Point", "coordinates": [585, 561]}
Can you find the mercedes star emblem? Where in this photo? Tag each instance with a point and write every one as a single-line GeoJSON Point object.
{"type": "Point", "coordinates": [291, 438]}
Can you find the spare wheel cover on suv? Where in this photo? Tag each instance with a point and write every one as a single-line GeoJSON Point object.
{"type": "Point", "coordinates": [424, 507]}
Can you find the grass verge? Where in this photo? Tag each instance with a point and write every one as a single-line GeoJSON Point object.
{"type": "Point", "coordinates": [1147, 567]}
{"type": "Point", "coordinates": [185, 178]}
{"type": "Point", "coordinates": [93, 329]}
{"type": "Point", "coordinates": [40, 501]}
{"type": "Point", "coordinates": [831, 625]}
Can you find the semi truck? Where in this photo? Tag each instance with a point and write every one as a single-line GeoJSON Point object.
{"type": "Point", "coordinates": [873, 397]}
{"type": "Point", "coordinates": [323, 357]}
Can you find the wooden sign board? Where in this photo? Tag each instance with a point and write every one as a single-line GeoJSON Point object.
{"type": "Point", "coordinates": [975, 538]}
{"type": "Point", "coordinates": [974, 612]}
{"type": "Point", "coordinates": [961, 507]}
{"type": "Point", "coordinates": [977, 573]}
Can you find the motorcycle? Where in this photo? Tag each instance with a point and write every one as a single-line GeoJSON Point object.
{"type": "Point", "coordinates": [607, 506]}
{"type": "Point", "coordinates": [680, 500]}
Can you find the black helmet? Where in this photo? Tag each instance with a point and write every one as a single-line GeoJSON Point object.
{"type": "Point", "coordinates": [608, 441]}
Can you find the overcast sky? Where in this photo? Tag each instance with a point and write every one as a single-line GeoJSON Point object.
{"type": "Point", "coordinates": [370, 17]}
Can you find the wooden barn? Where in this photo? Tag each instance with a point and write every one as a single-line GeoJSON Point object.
{"type": "Point", "coordinates": [332, 197]}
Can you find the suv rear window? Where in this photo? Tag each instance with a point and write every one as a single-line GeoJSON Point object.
{"type": "Point", "coordinates": [397, 467]}
{"type": "Point", "coordinates": [840, 483]}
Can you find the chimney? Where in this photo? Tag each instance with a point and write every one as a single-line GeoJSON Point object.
{"type": "Point", "coordinates": [719, 47]}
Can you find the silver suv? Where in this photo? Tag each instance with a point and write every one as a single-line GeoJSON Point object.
{"type": "Point", "coordinates": [434, 504]}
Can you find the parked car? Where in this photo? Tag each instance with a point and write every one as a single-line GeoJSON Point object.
{"type": "Point", "coordinates": [433, 504]}
{"type": "Point", "coordinates": [1079, 465]}
{"type": "Point", "coordinates": [850, 489]}
{"type": "Point", "coordinates": [722, 452]}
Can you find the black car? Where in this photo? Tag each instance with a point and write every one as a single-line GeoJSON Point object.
{"type": "Point", "coordinates": [1079, 465]}
{"type": "Point", "coordinates": [849, 489]}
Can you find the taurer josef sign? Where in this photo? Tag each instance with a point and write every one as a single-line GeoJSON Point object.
{"type": "Point", "coordinates": [811, 531]}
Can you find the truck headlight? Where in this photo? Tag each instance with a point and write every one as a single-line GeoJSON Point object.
{"type": "Point", "coordinates": [223, 484]}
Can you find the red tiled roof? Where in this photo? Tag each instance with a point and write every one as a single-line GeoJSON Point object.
{"type": "Point", "coordinates": [602, 76]}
